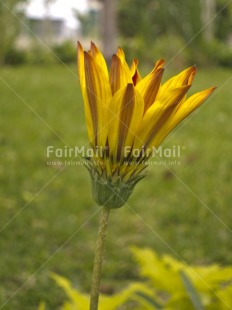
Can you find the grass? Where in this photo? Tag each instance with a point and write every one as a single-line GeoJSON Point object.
{"type": "Point", "coordinates": [47, 213]}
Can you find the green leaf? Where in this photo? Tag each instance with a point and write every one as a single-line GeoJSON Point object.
{"type": "Point", "coordinates": [77, 299]}
{"type": "Point", "coordinates": [117, 300]}
{"type": "Point", "coordinates": [42, 306]}
{"type": "Point", "coordinates": [193, 295]}
{"type": "Point", "coordinates": [150, 300]}
{"type": "Point", "coordinates": [164, 275]}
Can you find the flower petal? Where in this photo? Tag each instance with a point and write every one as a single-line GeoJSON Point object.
{"type": "Point", "coordinates": [96, 93]}
{"type": "Point", "coordinates": [121, 54]}
{"type": "Point", "coordinates": [182, 111]}
{"type": "Point", "coordinates": [157, 116]}
{"type": "Point", "coordinates": [136, 77]}
{"type": "Point", "coordinates": [80, 64]}
{"type": "Point", "coordinates": [88, 110]}
{"type": "Point", "coordinates": [149, 87]}
{"type": "Point", "coordinates": [159, 64]}
{"type": "Point", "coordinates": [99, 59]}
{"type": "Point", "coordinates": [120, 74]}
{"type": "Point", "coordinates": [124, 115]}
{"type": "Point", "coordinates": [183, 78]}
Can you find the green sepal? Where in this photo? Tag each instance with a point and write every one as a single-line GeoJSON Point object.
{"type": "Point", "coordinates": [111, 192]}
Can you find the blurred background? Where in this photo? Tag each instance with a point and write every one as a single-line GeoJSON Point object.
{"type": "Point", "coordinates": [187, 31]}
{"type": "Point", "coordinates": [48, 220]}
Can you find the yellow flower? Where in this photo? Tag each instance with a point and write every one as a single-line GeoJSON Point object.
{"type": "Point", "coordinates": [126, 113]}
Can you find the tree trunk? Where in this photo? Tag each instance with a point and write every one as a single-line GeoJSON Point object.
{"type": "Point", "coordinates": [208, 9]}
{"type": "Point", "coordinates": [109, 29]}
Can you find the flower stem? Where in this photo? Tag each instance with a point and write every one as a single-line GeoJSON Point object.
{"type": "Point", "coordinates": [102, 230]}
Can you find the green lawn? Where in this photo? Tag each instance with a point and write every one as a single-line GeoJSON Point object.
{"type": "Point", "coordinates": [47, 212]}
